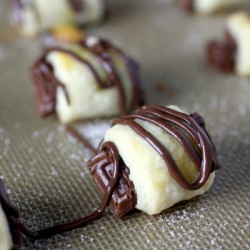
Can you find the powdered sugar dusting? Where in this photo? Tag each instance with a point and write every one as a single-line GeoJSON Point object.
{"type": "Point", "coordinates": [95, 131]}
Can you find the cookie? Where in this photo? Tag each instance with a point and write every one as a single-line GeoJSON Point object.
{"type": "Point", "coordinates": [231, 55]}
{"type": "Point", "coordinates": [211, 6]}
{"type": "Point", "coordinates": [33, 16]}
{"type": "Point", "coordinates": [85, 80]}
{"type": "Point", "coordinates": [165, 156]}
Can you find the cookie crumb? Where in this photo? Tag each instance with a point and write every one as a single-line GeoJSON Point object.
{"type": "Point", "coordinates": [160, 87]}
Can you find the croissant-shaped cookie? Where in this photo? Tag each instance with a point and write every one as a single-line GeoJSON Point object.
{"type": "Point", "coordinates": [90, 79]}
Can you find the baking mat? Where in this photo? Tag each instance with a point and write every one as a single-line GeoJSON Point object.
{"type": "Point", "coordinates": [44, 169]}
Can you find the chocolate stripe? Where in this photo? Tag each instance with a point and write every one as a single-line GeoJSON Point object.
{"type": "Point", "coordinates": [204, 143]}
{"type": "Point", "coordinates": [176, 133]}
{"type": "Point", "coordinates": [113, 154]}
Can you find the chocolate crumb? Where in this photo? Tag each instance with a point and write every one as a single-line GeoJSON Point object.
{"type": "Point", "coordinates": [160, 87]}
{"type": "Point", "coordinates": [187, 5]}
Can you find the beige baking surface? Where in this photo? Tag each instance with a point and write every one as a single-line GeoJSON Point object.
{"type": "Point", "coordinates": [44, 169]}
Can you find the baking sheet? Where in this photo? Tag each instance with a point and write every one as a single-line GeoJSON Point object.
{"type": "Point", "coordinates": [44, 169]}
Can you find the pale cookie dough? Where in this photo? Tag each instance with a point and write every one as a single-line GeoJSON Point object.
{"type": "Point", "coordinates": [90, 84]}
{"type": "Point", "coordinates": [238, 25]}
{"type": "Point", "coordinates": [209, 6]}
{"type": "Point", "coordinates": [5, 236]}
{"type": "Point", "coordinates": [155, 187]}
{"type": "Point", "coordinates": [33, 16]}
{"type": "Point", "coordinates": [232, 54]}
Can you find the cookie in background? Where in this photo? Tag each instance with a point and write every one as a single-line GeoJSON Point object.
{"type": "Point", "coordinates": [212, 6]}
{"type": "Point", "coordinates": [33, 16]}
{"type": "Point", "coordinates": [61, 35]}
{"type": "Point", "coordinates": [232, 53]}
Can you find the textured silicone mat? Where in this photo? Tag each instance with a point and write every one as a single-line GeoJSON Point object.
{"type": "Point", "coordinates": [45, 170]}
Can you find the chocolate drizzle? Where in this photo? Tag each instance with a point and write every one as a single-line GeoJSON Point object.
{"type": "Point", "coordinates": [221, 55]}
{"type": "Point", "coordinates": [45, 83]}
{"type": "Point", "coordinates": [112, 155]}
{"type": "Point", "coordinates": [174, 123]}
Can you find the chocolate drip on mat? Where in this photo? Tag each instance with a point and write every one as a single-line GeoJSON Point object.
{"type": "Point", "coordinates": [81, 139]}
{"type": "Point", "coordinates": [12, 214]}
